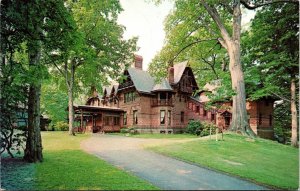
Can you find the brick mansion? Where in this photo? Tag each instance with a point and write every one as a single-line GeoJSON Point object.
{"type": "Point", "coordinates": [164, 107]}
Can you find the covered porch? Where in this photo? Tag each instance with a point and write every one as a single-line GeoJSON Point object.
{"type": "Point", "coordinates": [97, 119]}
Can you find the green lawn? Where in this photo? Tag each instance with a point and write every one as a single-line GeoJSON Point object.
{"type": "Point", "coordinates": [66, 167]}
{"type": "Point", "coordinates": [157, 136]}
{"type": "Point", "coordinates": [261, 161]}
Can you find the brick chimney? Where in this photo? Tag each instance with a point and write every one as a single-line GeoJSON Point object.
{"type": "Point", "coordinates": [171, 72]}
{"type": "Point", "coordinates": [171, 75]}
{"type": "Point", "coordinates": [138, 62]}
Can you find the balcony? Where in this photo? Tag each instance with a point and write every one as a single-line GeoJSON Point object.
{"type": "Point", "coordinates": [161, 102]}
{"type": "Point", "coordinates": [125, 85]}
{"type": "Point", "coordinates": [186, 89]}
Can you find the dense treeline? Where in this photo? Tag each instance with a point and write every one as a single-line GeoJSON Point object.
{"type": "Point", "coordinates": [45, 43]}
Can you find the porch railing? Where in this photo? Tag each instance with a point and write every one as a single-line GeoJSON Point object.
{"type": "Point", "coordinates": [161, 102]}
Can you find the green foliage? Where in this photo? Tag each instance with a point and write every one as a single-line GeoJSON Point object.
{"type": "Point", "coordinates": [54, 101]}
{"type": "Point", "coordinates": [133, 131]}
{"type": "Point", "coordinates": [271, 51]}
{"type": "Point", "coordinates": [61, 126]}
{"type": "Point", "coordinates": [208, 128]}
{"type": "Point", "coordinates": [192, 35]}
{"type": "Point", "coordinates": [195, 127]}
{"type": "Point", "coordinates": [124, 130]}
{"type": "Point", "coordinates": [129, 130]}
{"type": "Point", "coordinates": [282, 123]}
{"type": "Point", "coordinates": [261, 160]}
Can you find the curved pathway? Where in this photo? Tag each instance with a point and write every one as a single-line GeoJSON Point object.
{"type": "Point", "coordinates": [164, 172]}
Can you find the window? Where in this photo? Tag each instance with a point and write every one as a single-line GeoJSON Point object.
{"type": "Point", "coordinates": [116, 121]}
{"type": "Point", "coordinates": [212, 117]}
{"type": "Point", "coordinates": [106, 120]}
{"type": "Point", "coordinates": [169, 117]}
{"type": "Point", "coordinates": [260, 119]}
{"type": "Point", "coordinates": [130, 96]}
{"type": "Point", "coordinates": [197, 109]}
{"type": "Point", "coordinates": [125, 97]}
{"type": "Point", "coordinates": [270, 120]}
{"type": "Point", "coordinates": [227, 121]}
{"type": "Point", "coordinates": [125, 119]}
{"type": "Point", "coordinates": [204, 112]}
{"type": "Point", "coordinates": [135, 117]}
{"type": "Point", "coordinates": [182, 117]}
{"type": "Point", "coordinates": [190, 105]}
{"type": "Point", "coordinates": [162, 117]}
{"type": "Point", "coordinates": [162, 96]}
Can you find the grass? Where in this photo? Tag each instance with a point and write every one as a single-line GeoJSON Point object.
{"type": "Point", "coordinates": [261, 161]}
{"type": "Point", "coordinates": [157, 136]}
{"type": "Point", "coordinates": [66, 167]}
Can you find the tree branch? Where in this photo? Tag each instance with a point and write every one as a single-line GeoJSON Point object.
{"type": "Point", "coordinates": [281, 97]}
{"type": "Point", "coordinates": [187, 46]}
{"type": "Point", "coordinates": [251, 5]}
{"type": "Point", "coordinates": [214, 14]}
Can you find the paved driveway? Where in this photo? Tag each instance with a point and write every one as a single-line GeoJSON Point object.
{"type": "Point", "coordinates": [164, 172]}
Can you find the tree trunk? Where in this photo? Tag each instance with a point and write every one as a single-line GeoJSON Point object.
{"type": "Point", "coordinates": [33, 150]}
{"type": "Point", "coordinates": [232, 45]}
{"type": "Point", "coordinates": [70, 83]}
{"type": "Point", "coordinates": [71, 112]}
{"type": "Point", "coordinates": [239, 112]}
{"type": "Point", "coordinates": [294, 139]}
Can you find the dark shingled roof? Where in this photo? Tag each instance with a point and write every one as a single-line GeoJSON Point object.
{"type": "Point", "coordinates": [142, 80]}
{"type": "Point", "coordinates": [163, 86]}
{"type": "Point", "coordinates": [145, 83]}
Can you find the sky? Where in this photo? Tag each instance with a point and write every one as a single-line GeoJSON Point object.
{"type": "Point", "coordinates": [145, 20]}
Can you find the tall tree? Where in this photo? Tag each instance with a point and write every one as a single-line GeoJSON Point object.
{"type": "Point", "coordinates": [271, 49]}
{"type": "Point", "coordinates": [30, 23]}
{"type": "Point", "coordinates": [95, 50]}
{"type": "Point", "coordinates": [220, 21]}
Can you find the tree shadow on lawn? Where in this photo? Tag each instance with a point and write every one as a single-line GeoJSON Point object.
{"type": "Point", "coordinates": [17, 174]}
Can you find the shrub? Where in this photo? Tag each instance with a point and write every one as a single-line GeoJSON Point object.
{"type": "Point", "coordinates": [200, 129]}
{"type": "Point", "coordinates": [133, 131]}
{"type": "Point", "coordinates": [194, 127]}
{"type": "Point", "coordinates": [124, 130]}
{"type": "Point", "coordinates": [206, 128]}
{"type": "Point", "coordinates": [61, 126]}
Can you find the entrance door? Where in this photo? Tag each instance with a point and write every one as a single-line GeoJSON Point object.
{"type": "Point", "coordinates": [227, 121]}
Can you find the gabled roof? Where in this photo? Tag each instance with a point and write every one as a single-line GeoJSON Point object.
{"type": "Point", "coordinates": [114, 88]}
{"type": "Point", "coordinates": [145, 83]}
{"type": "Point", "coordinates": [142, 80]}
{"type": "Point", "coordinates": [163, 86]}
{"type": "Point", "coordinates": [107, 89]}
{"type": "Point", "coordinates": [178, 70]}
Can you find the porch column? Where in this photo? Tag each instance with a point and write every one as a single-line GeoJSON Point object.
{"type": "Point", "coordinates": [81, 120]}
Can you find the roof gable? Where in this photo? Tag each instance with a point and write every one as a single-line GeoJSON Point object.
{"type": "Point", "coordinates": [178, 70]}
{"type": "Point", "coordinates": [163, 86]}
{"type": "Point", "coordinates": [142, 80]}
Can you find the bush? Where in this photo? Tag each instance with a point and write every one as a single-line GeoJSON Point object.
{"type": "Point", "coordinates": [194, 127]}
{"type": "Point", "coordinates": [206, 128]}
{"type": "Point", "coordinates": [61, 126]}
{"type": "Point", "coordinates": [133, 131]}
{"type": "Point", "coordinates": [200, 129]}
{"type": "Point", "coordinates": [124, 130]}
